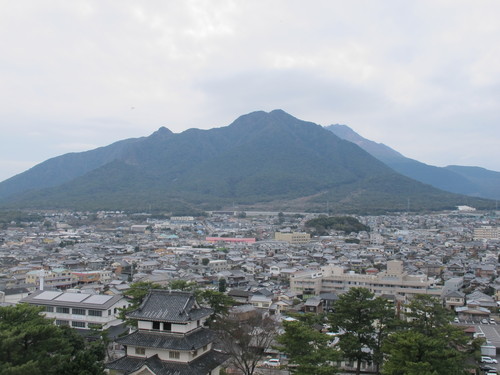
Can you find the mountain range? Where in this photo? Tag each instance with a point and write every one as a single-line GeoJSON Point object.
{"type": "Point", "coordinates": [260, 161]}
{"type": "Point", "coordinates": [473, 181]}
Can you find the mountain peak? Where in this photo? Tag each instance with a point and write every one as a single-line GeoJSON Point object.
{"type": "Point", "coordinates": [162, 132]}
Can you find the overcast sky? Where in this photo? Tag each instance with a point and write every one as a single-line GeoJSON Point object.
{"type": "Point", "coordinates": [421, 76]}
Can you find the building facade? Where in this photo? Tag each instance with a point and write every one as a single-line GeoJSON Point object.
{"type": "Point", "coordinates": [79, 310]}
{"type": "Point", "coordinates": [295, 238]}
{"type": "Point", "coordinates": [170, 338]}
{"type": "Point", "coordinates": [393, 282]}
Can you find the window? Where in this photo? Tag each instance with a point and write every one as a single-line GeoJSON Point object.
{"type": "Point", "coordinates": [156, 325]}
{"type": "Point", "coordinates": [95, 312]}
{"type": "Point", "coordinates": [195, 353]}
{"type": "Point", "coordinates": [62, 322]}
{"type": "Point", "coordinates": [78, 324]}
{"type": "Point", "coordinates": [49, 308]}
{"type": "Point", "coordinates": [167, 326]}
{"type": "Point", "coordinates": [140, 351]}
{"type": "Point", "coordinates": [79, 311]}
{"type": "Point", "coordinates": [205, 348]}
{"type": "Point", "coordinates": [62, 310]}
{"type": "Point", "coordinates": [174, 355]}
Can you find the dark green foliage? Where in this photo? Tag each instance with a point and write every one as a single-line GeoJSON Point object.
{"type": "Point", "coordinates": [222, 285]}
{"type": "Point", "coordinates": [307, 349]}
{"type": "Point", "coordinates": [427, 342]}
{"type": "Point", "coordinates": [365, 321]}
{"type": "Point", "coordinates": [346, 224]}
{"type": "Point", "coordinates": [7, 217]}
{"type": "Point", "coordinates": [183, 285]}
{"type": "Point", "coordinates": [218, 301]}
{"type": "Point", "coordinates": [270, 159]}
{"type": "Point", "coordinates": [31, 344]}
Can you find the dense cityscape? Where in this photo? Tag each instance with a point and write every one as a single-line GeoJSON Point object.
{"type": "Point", "coordinates": [81, 267]}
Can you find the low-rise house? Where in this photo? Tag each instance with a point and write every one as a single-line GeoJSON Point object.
{"type": "Point", "coordinates": [454, 299]}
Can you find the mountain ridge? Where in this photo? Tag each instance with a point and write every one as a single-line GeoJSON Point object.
{"type": "Point", "coordinates": [471, 181]}
{"type": "Point", "coordinates": [261, 159]}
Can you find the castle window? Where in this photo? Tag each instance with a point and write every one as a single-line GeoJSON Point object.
{"type": "Point", "coordinates": [156, 325]}
{"type": "Point", "coordinates": [167, 326]}
{"type": "Point", "coordinates": [174, 355]}
{"type": "Point", "coordinates": [140, 351]}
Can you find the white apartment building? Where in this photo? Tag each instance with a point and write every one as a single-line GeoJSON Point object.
{"type": "Point", "coordinates": [79, 310]}
{"type": "Point", "coordinates": [394, 282]}
{"type": "Point", "coordinates": [487, 232]}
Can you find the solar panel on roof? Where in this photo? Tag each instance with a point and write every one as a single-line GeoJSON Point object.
{"type": "Point", "coordinates": [47, 296]}
{"type": "Point", "coordinates": [98, 299]}
{"type": "Point", "coordinates": [72, 297]}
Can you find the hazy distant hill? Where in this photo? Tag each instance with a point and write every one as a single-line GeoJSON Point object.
{"type": "Point", "coordinates": [473, 181]}
{"type": "Point", "coordinates": [270, 160]}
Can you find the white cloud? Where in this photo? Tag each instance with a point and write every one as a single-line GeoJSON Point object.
{"type": "Point", "coordinates": [90, 72]}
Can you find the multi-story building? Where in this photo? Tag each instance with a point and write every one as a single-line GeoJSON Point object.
{"type": "Point", "coordinates": [487, 232]}
{"type": "Point", "coordinates": [293, 238]}
{"type": "Point", "coordinates": [394, 281]}
{"type": "Point", "coordinates": [170, 339]}
{"type": "Point", "coordinates": [79, 310]}
{"type": "Point", "coordinates": [60, 278]}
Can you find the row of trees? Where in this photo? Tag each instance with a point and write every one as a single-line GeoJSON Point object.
{"type": "Point", "coordinates": [424, 343]}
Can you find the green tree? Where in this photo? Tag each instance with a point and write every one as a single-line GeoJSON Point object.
{"type": "Point", "coordinates": [183, 285]}
{"type": "Point", "coordinates": [217, 301]}
{"type": "Point", "coordinates": [205, 261]}
{"type": "Point", "coordinates": [411, 352]}
{"type": "Point", "coordinates": [427, 343]}
{"type": "Point", "coordinates": [363, 321]}
{"type": "Point", "coordinates": [31, 344]}
{"type": "Point", "coordinates": [385, 322]}
{"type": "Point", "coordinates": [427, 315]}
{"type": "Point", "coordinates": [222, 285]}
{"type": "Point", "coordinates": [307, 349]}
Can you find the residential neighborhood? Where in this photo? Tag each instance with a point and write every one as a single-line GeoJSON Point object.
{"type": "Point", "coordinates": [78, 267]}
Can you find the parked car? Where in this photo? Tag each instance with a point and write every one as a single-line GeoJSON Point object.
{"type": "Point", "coordinates": [484, 321]}
{"type": "Point", "coordinates": [486, 359]}
{"type": "Point", "coordinates": [487, 368]}
{"type": "Point", "coordinates": [492, 321]}
{"type": "Point", "coordinates": [273, 362]}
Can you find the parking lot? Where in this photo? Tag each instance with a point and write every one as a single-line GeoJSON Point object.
{"type": "Point", "coordinates": [491, 332]}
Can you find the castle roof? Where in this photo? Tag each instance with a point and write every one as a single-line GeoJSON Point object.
{"type": "Point", "coordinates": [169, 306]}
{"type": "Point", "coordinates": [191, 341]}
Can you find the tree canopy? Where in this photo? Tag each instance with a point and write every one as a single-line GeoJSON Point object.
{"type": "Point", "coordinates": [307, 349]}
{"type": "Point", "coordinates": [346, 224]}
{"type": "Point", "coordinates": [427, 343]}
{"type": "Point", "coordinates": [32, 344]}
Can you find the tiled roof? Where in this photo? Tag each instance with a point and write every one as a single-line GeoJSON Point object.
{"type": "Point", "coordinates": [169, 306]}
{"type": "Point", "coordinates": [192, 341]}
{"type": "Point", "coordinates": [200, 366]}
